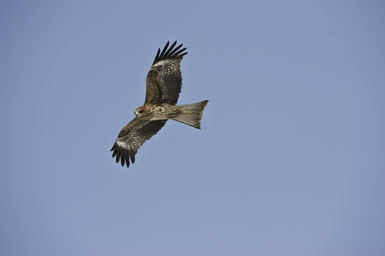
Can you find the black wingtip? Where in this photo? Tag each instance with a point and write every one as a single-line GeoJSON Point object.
{"type": "Point", "coordinates": [128, 163]}
{"type": "Point", "coordinates": [156, 57]}
{"type": "Point", "coordinates": [169, 52]}
{"type": "Point", "coordinates": [117, 156]}
{"type": "Point", "coordinates": [123, 155]}
{"type": "Point", "coordinates": [164, 50]}
{"type": "Point", "coordinates": [179, 53]}
{"type": "Point", "coordinates": [132, 156]}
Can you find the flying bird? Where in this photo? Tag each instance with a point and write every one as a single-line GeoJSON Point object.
{"type": "Point", "coordinates": [163, 85]}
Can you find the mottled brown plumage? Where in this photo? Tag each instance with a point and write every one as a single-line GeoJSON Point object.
{"type": "Point", "coordinates": [163, 86]}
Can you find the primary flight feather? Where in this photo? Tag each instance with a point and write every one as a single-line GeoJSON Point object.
{"type": "Point", "coordinates": [163, 85]}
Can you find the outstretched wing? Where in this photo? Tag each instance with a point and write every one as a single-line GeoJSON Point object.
{"type": "Point", "coordinates": [132, 136]}
{"type": "Point", "coordinates": [164, 80]}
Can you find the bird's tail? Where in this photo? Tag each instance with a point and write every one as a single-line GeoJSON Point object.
{"type": "Point", "coordinates": [191, 114]}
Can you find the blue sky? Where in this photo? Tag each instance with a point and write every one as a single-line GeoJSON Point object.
{"type": "Point", "coordinates": [289, 160]}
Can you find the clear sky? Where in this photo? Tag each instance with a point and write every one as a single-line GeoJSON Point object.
{"type": "Point", "coordinates": [290, 159]}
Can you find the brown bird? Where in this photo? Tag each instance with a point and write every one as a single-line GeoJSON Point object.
{"type": "Point", "coordinates": [163, 85]}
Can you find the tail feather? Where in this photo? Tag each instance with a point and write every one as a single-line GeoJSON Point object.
{"type": "Point", "coordinates": [191, 114]}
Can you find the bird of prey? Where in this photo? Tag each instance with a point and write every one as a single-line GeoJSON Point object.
{"type": "Point", "coordinates": [163, 85]}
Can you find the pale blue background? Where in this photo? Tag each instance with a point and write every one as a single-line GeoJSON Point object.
{"type": "Point", "coordinates": [289, 161]}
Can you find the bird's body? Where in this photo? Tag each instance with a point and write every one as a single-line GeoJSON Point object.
{"type": "Point", "coordinates": [163, 85]}
{"type": "Point", "coordinates": [158, 112]}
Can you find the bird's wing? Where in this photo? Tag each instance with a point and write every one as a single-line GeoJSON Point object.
{"type": "Point", "coordinates": [132, 136]}
{"type": "Point", "coordinates": [164, 80]}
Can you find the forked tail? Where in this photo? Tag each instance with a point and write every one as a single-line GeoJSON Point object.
{"type": "Point", "coordinates": [191, 114]}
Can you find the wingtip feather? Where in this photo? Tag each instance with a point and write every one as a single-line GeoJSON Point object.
{"type": "Point", "coordinates": [132, 156]}
{"type": "Point", "coordinates": [164, 50]}
{"type": "Point", "coordinates": [169, 52]}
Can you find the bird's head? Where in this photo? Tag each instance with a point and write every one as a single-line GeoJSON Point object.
{"type": "Point", "coordinates": [139, 111]}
